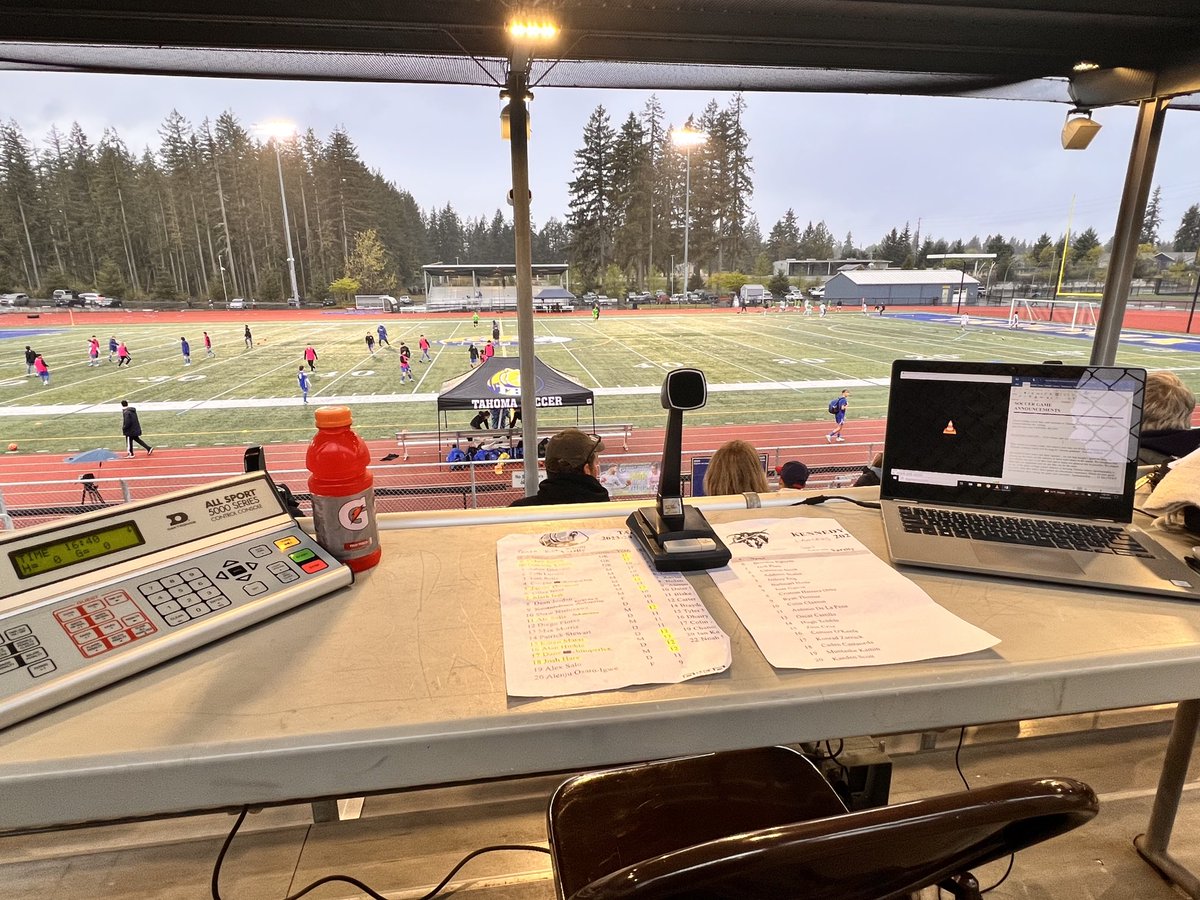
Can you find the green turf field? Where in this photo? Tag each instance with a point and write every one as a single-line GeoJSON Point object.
{"type": "Point", "coordinates": [774, 367]}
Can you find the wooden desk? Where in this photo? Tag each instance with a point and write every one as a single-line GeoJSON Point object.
{"type": "Point", "coordinates": [398, 681]}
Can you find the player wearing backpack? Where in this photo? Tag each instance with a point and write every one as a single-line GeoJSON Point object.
{"type": "Point", "coordinates": [837, 409]}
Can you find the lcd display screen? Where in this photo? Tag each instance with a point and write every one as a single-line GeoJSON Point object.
{"type": "Point", "coordinates": [78, 548]}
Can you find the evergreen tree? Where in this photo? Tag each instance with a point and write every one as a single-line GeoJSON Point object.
{"type": "Point", "coordinates": [633, 199]}
{"type": "Point", "coordinates": [784, 240]}
{"type": "Point", "coordinates": [1152, 220]}
{"type": "Point", "coordinates": [591, 199]}
{"type": "Point", "coordinates": [1187, 236]}
{"type": "Point", "coordinates": [1084, 242]}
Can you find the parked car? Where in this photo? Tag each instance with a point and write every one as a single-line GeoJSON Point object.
{"type": "Point", "coordinates": [329, 301]}
{"type": "Point", "coordinates": [89, 298]}
{"type": "Point", "coordinates": [817, 293]}
{"type": "Point", "coordinates": [108, 301]}
{"type": "Point", "coordinates": [14, 299]}
{"type": "Point", "coordinates": [404, 300]}
{"type": "Point", "coordinates": [237, 303]}
{"type": "Point", "coordinates": [61, 296]}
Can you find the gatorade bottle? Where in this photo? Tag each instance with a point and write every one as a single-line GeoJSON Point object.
{"type": "Point", "coordinates": [343, 493]}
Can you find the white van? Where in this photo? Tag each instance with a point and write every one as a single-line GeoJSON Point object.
{"type": "Point", "coordinates": [237, 303]}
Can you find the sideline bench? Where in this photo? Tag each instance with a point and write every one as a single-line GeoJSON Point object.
{"type": "Point", "coordinates": [463, 436]}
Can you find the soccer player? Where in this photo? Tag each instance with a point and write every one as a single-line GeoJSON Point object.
{"type": "Point", "coordinates": [310, 357]}
{"type": "Point", "coordinates": [839, 418]}
{"type": "Point", "coordinates": [208, 350]}
{"type": "Point", "coordinates": [123, 357]}
{"type": "Point", "coordinates": [186, 349]}
{"type": "Point", "coordinates": [405, 366]}
{"type": "Point", "coordinates": [93, 351]}
{"type": "Point", "coordinates": [370, 339]}
{"type": "Point", "coordinates": [1014, 321]}
{"type": "Point", "coordinates": [112, 348]}
{"type": "Point", "coordinates": [475, 320]}
{"type": "Point", "coordinates": [963, 321]}
{"type": "Point", "coordinates": [382, 331]}
{"type": "Point", "coordinates": [249, 338]}
{"type": "Point", "coordinates": [423, 343]}
{"type": "Point", "coordinates": [302, 380]}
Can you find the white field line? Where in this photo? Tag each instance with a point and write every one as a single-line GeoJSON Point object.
{"type": "Point", "coordinates": [571, 353]}
{"type": "Point", "coordinates": [266, 402]}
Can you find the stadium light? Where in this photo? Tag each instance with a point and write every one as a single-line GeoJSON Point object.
{"type": "Point", "coordinates": [687, 138]}
{"type": "Point", "coordinates": [283, 131]}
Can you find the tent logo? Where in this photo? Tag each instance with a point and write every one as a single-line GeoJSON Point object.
{"type": "Point", "coordinates": [507, 383]}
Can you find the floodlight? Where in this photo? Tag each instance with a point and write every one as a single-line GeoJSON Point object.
{"type": "Point", "coordinates": [1079, 129]}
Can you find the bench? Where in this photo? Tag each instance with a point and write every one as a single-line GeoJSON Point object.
{"type": "Point", "coordinates": [610, 432]}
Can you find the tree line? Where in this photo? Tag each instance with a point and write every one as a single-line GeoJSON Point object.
{"type": "Point", "coordinates": [201, 216]}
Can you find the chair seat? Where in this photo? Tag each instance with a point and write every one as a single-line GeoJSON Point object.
{"type": "Point", "coordinates": [765, 824]}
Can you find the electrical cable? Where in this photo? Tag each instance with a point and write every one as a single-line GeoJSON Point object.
{"type": "Point", "coordinates": [1012, 857]}
{"type": "Point", "coordinates": [821, 498]}
{"type": "Point", "coordinates": [216, 875]}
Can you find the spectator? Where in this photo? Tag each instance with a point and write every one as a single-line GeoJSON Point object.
{"type": "Point", "coordinates": [871, 474]}
{"type": "Point", "coordinates": [481, 419]}
{"type": "Point", "coordinates": [1167, 431]}
{"type": "Point", "coordinates": [572, 471]}
{"type": "Point", "coordinates": [793, 476]}
{"type": "Point", "coordinates": [735, 469]}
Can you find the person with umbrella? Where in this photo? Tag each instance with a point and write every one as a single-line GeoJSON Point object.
{"type": "Point", "coordinates": [132, 429]}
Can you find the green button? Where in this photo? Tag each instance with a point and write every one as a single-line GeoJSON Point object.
{"type": "Point", "coordinates": [302, 556]}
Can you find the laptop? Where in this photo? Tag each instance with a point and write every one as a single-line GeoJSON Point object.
{"type": "Point", "coordinates": [1021, 471]}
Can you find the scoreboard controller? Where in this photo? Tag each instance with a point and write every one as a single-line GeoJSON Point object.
{"type": "Point", "coordinates": [98, 597]}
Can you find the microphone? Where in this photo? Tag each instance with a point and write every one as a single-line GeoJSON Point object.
{"type": "Point", "coordinates": [677, 538]}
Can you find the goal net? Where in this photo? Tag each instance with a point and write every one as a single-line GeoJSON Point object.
{"type": "Point", "coordinates": [1074, 314]}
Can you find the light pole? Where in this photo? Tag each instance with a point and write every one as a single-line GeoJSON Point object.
{"type": "Point", "coordinates": [687, 138]}
{"type": "Point", "coordinates": [279, 131]}
{"type": "Point", "coordinates": [224, 290]}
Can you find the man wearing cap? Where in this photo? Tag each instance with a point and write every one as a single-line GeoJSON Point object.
{"type": "Point", "coordinates": [793, 476]}
{"type": "Point", "coordinates": [572, 471]}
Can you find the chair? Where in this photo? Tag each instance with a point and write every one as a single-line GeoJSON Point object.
{"type": "Point", "coordinates": [90, 493]}
{"type": "Point", "coordinates": [764, 824]}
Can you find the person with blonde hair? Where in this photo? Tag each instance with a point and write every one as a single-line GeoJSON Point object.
{"type": "Point", "coordinates": [735, 469]}
{"type": "Point", "coordinates": [1167, 409]}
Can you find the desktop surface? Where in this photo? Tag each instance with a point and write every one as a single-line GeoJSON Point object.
{"type": "Point", "coordinates": [399, 682]}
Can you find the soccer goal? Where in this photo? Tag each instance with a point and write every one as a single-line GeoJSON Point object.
{"type": "Point", "coordinates": [1074, 314]}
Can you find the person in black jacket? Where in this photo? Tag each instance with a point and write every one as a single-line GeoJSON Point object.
{"type": "Point", "coordinates": [572, 470]}
{"type": "Point", "coordinates": [132, 428]}
{"type": "Point", "coordinates": [1167, 409]}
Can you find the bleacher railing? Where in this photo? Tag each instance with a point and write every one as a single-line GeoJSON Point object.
{"type": "Point", "coordinates": [399, 487]}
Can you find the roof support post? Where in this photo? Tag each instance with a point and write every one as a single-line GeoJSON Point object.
{"type": "Point", "coordinates": [1146, 136]}
{"type": "Point", "coordinates": [518, 86]}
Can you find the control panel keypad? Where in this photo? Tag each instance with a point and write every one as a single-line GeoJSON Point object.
{"type": "Point", "coordinates": [187, 595]}
{"type": "Point", "coordinates": [99, 624]}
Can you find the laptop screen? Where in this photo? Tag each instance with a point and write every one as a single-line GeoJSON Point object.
{"type": "Point", "coordinates": [1053, 439]}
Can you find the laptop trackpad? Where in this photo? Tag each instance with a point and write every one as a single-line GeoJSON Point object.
{"type": "Point", "coordinates": [1034, 560]}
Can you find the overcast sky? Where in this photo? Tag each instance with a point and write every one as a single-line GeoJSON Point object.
{"type": "Point", "coordinates": [863, 164]}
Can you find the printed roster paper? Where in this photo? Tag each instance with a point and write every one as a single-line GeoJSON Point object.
{"type": "Point", "coordinates": [813, 597]}
{"type": "Point", "coordinates": [583, 611]}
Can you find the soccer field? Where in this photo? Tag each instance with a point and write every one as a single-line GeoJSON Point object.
{"type": "Point", "coordinates": [776, 367]}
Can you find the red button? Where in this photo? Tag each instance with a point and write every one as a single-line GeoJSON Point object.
{"type": "Point", "coordinates": [315, 565]}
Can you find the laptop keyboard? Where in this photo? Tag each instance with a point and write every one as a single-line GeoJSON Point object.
{"type": "Point", "coordinates": [1026, 532]}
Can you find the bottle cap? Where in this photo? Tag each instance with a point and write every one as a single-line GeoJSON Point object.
{"type": "Point", "coordinates": [333, 416]}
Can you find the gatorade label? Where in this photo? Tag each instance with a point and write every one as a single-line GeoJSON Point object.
{"type": "Point", "coordinates": [346, 526]}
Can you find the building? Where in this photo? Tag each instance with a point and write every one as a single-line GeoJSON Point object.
{"type": "Point", "coordinates": [822, 268]}
{"type": "Point", "coordinates": [901, 287]}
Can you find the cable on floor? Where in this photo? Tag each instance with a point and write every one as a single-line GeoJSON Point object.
{"type": "Point", "coordinates": [348, 879]}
